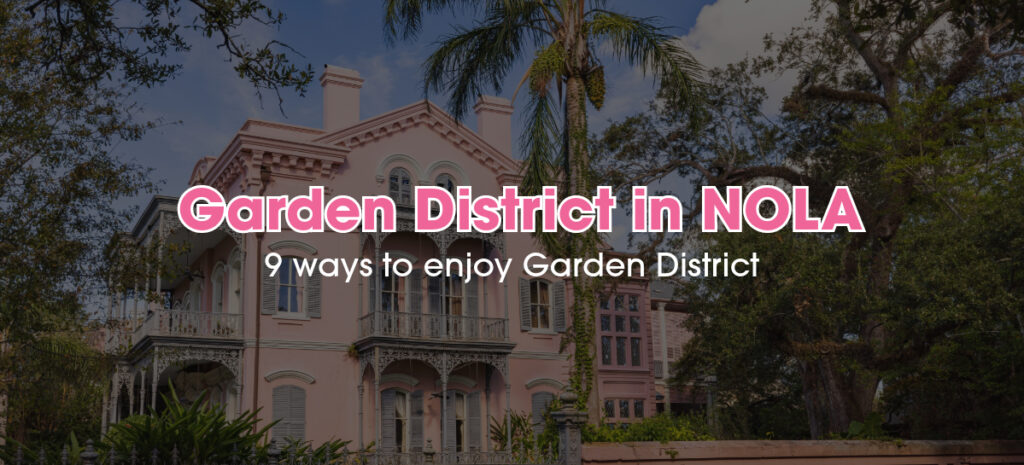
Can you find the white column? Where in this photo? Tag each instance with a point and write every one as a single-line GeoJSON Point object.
{"type": "Point", "coordinates": [664, 341]}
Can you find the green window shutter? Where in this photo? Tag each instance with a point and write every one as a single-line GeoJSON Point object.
{"type": "Point", "coordinates": [416, 421]}
{"type": "Point", "coordinates": [415, 286]}
{"type": "Point", "coordinates": [313, 295]}
{"type": "Point", "coordinates": [558, 305]}
{"type": "Point", "coordinates": [524, 305]}
{"type": "Point", "coordinates": [269, 305]}
{"type": "Point", "coordinates": [387, 420]}
{"type": "Point", "coordinates": [473, 420]}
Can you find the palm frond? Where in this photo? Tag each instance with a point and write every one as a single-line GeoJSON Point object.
{"type": "Point", "coordinates": [404, 18]}
{"type": "Point", "coordinates": [642, 43]}
{"type": "Point", "coordinates": [472, 61]}
{"type": "Point", "coordinates": [541, 142]}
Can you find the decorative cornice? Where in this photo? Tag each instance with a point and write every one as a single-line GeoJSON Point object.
{"type": "Point", "coordinates": [296, 374]}
{"type": "Point", "coordinates": [423, 113]}
{"type": "Point", "coordinates": [290, 244]}
{"type": "Point", "coordinates": [403, 378]}
{"type": "Point", "coordinates": [554, 383]}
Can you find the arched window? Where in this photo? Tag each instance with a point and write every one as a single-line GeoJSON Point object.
{"type": "Point", "coordinates": [289, 287]}
{"type": "Point", "coordinates": [235, 282]}
{"type": "Point", "coordinates": [290, 413]}
{"type": "Point", "coordinates": [445, 182]}
{"type": "Point", "coordinates": [219, 279]}
{"type": "Point", "coordinates": [400, 186]}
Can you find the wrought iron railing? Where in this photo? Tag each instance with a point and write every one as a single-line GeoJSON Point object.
{"type": "Point", "coordinates": [432, 326]}
{"type": "Point", "coordinates": [190, 324]}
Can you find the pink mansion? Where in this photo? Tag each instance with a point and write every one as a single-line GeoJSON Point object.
{"type": "Point", "coordinates": [392, 361]}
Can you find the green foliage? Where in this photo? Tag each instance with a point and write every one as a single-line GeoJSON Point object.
{"type": "Point", "coordinates": [71, 371]}
{"type": "Point", "coordinates": [661, 428]}
{"type": "Point", "coordinates": [200, 432]}
{"type": "Point", "coordinates": [870, 428]}
{"type": "Point", "coordinates": [918, 317]}
{"type": "Point", "coordinates": [526, 445]}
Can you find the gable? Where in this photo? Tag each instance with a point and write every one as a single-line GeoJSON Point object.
{"type": "Point", "coordinates": [429, 116]}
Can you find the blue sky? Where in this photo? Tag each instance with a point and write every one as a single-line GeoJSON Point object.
{"type": "Point", "coordinates": [207, 103]}
{"type": "Point", "coordinates": [202, 109]}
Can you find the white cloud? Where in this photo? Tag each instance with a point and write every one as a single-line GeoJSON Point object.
{"type": "Point", "coordinates": [728, 31]}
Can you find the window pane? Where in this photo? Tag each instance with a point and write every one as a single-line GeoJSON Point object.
{"type": "Point", "coordinates": [623, 409]}
{"type": "Point", "coordinates": [604, 302]}
{"type": "Point", "coordinates": [606, 323]}
{"type": "Point", "coordinates": [620, 324]}
{"type": "Point", "coordinates": [620, 350]}
{"type": "Point", "coordinates": [634, 324]}
{"type": "Point", "coordinates": [282, 298]}
{"type": "Point", "coordinates": [293, 294]}
{"type": "Point", "coordinates": [545, 320]}
{"type": "Point", "coordinates": [618, 302]}
{"type": "Point", "coordinates": [534, 292]}
{"type": "Point", "coordinates": [543, 294]}
{"type": "Point", "coordinates": [638, 408]}
{"type": "Point", "coordinates": [609, 408]}
{"type": "Point", "coordinates": [606, 350]}
{"type": "Point", "coordinates": [534, 316]}
{"type": "Point", "coordinates": [634, 303]}
{"type": "Point", "coordinates": [635, 351]}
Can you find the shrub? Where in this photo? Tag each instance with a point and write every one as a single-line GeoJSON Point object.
{"type": "Point", "coordinates": [662, 428]}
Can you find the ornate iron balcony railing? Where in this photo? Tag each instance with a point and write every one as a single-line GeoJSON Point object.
{"type": "Point", "coordinates": [432, 326]}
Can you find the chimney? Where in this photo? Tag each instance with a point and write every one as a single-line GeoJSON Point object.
{"type": "Point", "coordinates": [494, 122]}
{"type": "Point", "coordinates": [341, 97]}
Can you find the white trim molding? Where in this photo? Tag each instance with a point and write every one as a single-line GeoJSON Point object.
{"type": "Point", "coordinates": [399, 378]}
{"type": "Point", "coordinates": [554, 383]}
{"type": "Point", "coordinates": [296, 374]}
{"type": "Point", "coordinates": [289, 244]}
{"type": "Point", "coordinates": [398, 158]}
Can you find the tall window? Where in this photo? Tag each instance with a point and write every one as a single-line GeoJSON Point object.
{"type": "Point", "coordinates": [289, 286]}
{"type": "Point", "coordinates": [400, 186]}
{"type": "Point", "coordinates": [460, 421]}
{"type": "Point", "coordinates": [453, 295]}
{"type": "Point", "coordinates": [540, 304]}
{"type": "Point", "coordinates": [401, 421]}
{"type": "Point", "coordinates": [289, 412]}
{"type": "Point", "coordinates": [392, 292]}
{"type": "Point", "coordinates": [219, 284]}
{"type": "Point", "coordinates": [445, 182]}
{"type": "Point", "coordinates": [621, 331]}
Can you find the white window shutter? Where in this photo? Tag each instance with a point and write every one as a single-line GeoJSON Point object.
{"type": "Point", "coordinates": [558, 305]}
{"type": "Point", "coordinates": [525, 323]}
{"type": "Point", "coordinates": [473, 419]}
{"type": "Point", "coordinates": [539, 402]}
{"type": "Point", "coordinates": [416, 421]}
{"type": "Point", "coordinates": [269, 304]}
{"type": "Point", "coordinates": [387, 420]}
{"type": "Point", "coordinates": [313, 292]}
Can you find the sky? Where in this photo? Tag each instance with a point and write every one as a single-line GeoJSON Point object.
{"type": "Point", "coordinates": [207, 103]}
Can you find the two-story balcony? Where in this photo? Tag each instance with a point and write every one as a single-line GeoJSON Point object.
{"type": "Point", "coordinates": [125, 335]}
{"type": "Point", "coordinates": [432, 326]}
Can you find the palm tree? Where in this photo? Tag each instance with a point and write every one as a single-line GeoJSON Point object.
{"type": "Point", "coordinates": [565, 73]}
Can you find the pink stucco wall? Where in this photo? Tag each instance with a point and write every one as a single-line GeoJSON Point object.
{"type": "Point", "coordinates": [354, 157]}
